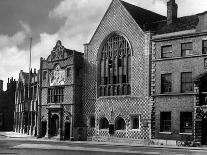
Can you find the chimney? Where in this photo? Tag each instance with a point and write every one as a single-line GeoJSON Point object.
{"type": "Point", "coordinates": [1, 85]}
{"type": "Point", "coordinates": [172, 10]}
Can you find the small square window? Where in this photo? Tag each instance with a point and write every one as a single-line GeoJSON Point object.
{"type": "Point", "coordinates": [165, 122]}
{"type": "Point", "coordinates": [135, 122]}
{"type": "Point", "coordinates": [166, 51]}
{"type": "Point", "coordinates": [204, 45]}
{"type": "Point", "coordinates": [187, 49]}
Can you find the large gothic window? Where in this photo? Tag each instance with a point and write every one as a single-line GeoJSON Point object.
{"type": "Point", "coordinates": [115, 65]}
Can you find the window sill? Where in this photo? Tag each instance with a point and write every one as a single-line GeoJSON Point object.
{"type": "Point", "coordinates": [174, 94]}
{"type": "Point", "coordinates": [121, 130]}
{"type": "Point", "coordinates": [135, 129]}
{"type": "Point", "coordinates": [167, 133]}
{"type": "Point", "coordinates": [185, 133]}
{"type": "Point", "coordinates": [180, 57]}
{"type": "Point", "coordinates": [116, 96]}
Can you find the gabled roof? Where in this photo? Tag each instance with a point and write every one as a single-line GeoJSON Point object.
{"type": "Point", "coordinates": [143, 17]}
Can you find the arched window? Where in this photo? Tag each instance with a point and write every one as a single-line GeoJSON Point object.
{"type": "Point", "coordinates": [103, 124]}
{"type": "Point", "coordinates": [115, 66]}
{"type": "Point", "coordinates": [120, 124]}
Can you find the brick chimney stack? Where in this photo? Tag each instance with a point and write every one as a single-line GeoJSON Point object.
{"type": "Point", "coordinates": [172, 11]}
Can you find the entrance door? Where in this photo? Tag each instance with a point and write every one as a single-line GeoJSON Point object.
{"type": "Point", "coordinates": [44, 127]}
{"type": "Point", "coordinates": [54, 125]}
{"type": "Point", "coordinates": [204, 131]}
{"type": "Point", "coordinates": [67, 131]}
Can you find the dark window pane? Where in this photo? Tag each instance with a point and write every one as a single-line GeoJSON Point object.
{"type": "Point", "coordinates": [186, 122]}
{"type": "Point", "coordinates": [135, 122]}
{"type": "Point", "coordinates": [166, 52]}
{"type": "Point", "coordinates": [166, 83]}
{"type": "Point", "coordinates": [186, 82]}
{"type": "Point", "coordinates": [186, 49]}
{"type": "Point", "coordinates": [165, 121]}
{"type": "Point", "coordinates": [204, 47]}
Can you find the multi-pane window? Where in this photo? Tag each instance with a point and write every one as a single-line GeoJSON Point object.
{"type": "Point", "coordinates": [166, 51]}
{"type": "Point", "coordinates": [115, 65]}
{"type": "Point", "coordinates": [135, 122]}
{"type": "Point", "coordinates": [165, 122]}
{"type": "Point", "coordinates": [187, 49]}
{"type": "Point", "coordinates": [166, 83]}
{"type": "Point", "coordinates": [204, 50]}
{"type": "Point", "coordinates": [56, 95]}
{"type": "Point", "coordinates": [186, 82]}
{"type": "Point", "coordinates": [186, 122]}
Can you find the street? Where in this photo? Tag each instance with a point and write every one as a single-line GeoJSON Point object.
{"type": "Point", "coordinates": [28, 147]}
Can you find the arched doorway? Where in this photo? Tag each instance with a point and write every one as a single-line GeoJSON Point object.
{"type": "Point", "coordinates": [54, 125]}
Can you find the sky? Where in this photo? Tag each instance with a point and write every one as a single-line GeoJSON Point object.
{"type": "Point", "coordinates": [71, 21]}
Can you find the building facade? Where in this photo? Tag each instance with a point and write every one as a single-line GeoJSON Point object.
{"type": "Point", "coordinates": [7, 99]}
{"type": "Point", "coordinates": [26, 103]}
{"type": "Point", "coordinates": [116, 98]}
{"type": "Point", "coordinates": [178, 77]}
{"type": "Point", "coordinates": [60, 109]}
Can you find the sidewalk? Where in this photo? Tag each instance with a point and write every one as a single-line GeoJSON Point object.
{"type": "Point", "coordinates": [19, 136]}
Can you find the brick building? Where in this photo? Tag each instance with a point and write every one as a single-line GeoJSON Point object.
{"type": "Point", "coordinates": [7, 99]}
{"type": "Point", "coordinates": [178, 77]}
{"type": "Point", "coordinates": [26, 103]}
{"type": "Point", "coordinates": [60, 109]}
{"type": "Point", "coordinates": [116, 102]}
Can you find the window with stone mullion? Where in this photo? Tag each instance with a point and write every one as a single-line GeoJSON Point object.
{"type": "Point", "coordinates": [115, 67]}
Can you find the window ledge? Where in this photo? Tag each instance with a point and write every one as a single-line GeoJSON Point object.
{"type": "Point", "coordinates": [180, 57]}
{"type": "Point", "coordinates": [121, 130]}
{"type": "Point", "coordinates": [167, 133]}
{"type": "Point", "coordinates": [135, 129]}
{"type": "Point", "coordinates": [175, 94]}
{"type": "Point", "coordinates": [185, 133]}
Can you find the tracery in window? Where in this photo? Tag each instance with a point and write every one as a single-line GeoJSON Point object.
{"type": "Point", "coordinates": [115, 64]}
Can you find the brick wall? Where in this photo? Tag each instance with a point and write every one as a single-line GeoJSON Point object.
{"type": "Point", "coordinates": [176, 102]}
{"type": "Point", "coordinates": [117, 19]}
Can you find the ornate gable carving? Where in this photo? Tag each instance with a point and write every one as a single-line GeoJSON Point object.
{"type": "Point", "coordinates": [58, 51]}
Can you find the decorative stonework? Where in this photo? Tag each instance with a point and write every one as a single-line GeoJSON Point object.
{"type": "Point", "coordinates": [57, 76]}
{"type": "Point", "coordinates": [58, 51]}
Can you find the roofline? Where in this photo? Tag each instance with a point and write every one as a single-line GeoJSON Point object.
{"type": "Point", "coordinates": [179, 36]}
{"type": "Point", "coordinates": [100, 22]}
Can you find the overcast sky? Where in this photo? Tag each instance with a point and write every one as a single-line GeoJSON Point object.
{"type": "Point", "coordinates": [71, 21]}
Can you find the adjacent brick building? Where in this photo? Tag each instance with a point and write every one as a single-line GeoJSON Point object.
{"type": "Point", "coordinates": [7, 99]}
{"type": "Point", "coordinates": [60, 108]}
{"type": "Point", "coordinates": [116, 99]}
{"type": "Point", "coordinates": [178, 77]}
{"type": "Point", "coordinates": [26, 103]}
